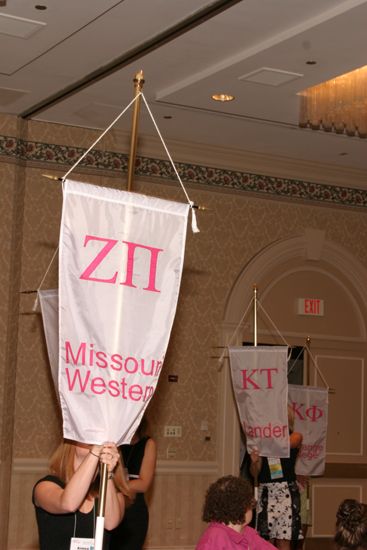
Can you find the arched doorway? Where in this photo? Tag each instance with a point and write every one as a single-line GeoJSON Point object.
{"type": "Point", "coordinates": [309, 266]}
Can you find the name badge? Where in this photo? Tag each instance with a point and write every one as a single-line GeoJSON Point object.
{"type": "Point", "coordinates": [81, 544]}
{"type": "Point", "coordinates": [275, 468]}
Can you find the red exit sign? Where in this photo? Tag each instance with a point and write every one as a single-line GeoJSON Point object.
{"type": "Point", "coordinates": [310, 306]}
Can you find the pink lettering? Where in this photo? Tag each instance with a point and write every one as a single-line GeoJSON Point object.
{"type": "Point", "coordinates": [101, 356]}
{"type": "Point", "coordinates": [149, 390]}
{"type": "Point", "coordinates": [296, 409]}
{"type": "Point", "coordinates": [113, 388]}
{"type": "Point", "coordinates": [82, 382]}
{"type": "Point", "coordinates": [117, 360]}
{"type": "Point", "coordinates": [98, 385]}
{"type": "Point", "coordinates": [158, 367]}
{"type": "Point", "coordinates": [147, 372]}
{"type": "Point", "coordinates": [123, 388]}
{"type": "Point", "coordinates": [86, 275]}
{"type": "Point", "coordinates": [69, 353]}
{"type": "Point", "coordinates": [314, 413]}
{"type": "Point", "coordinates": [77, 380]}
{"type": "Point", "coordinates": [152, 268]}
{"type": "Point", "coordinates": [246, 378]}
{"type": "Point", "coordinates": [135, 365]}
{"type": "Point", "coordinates": [269, 371]}
{"type": "Point", "coordinates": [135, 392]}
{"type": "Point", "coordinates": [267, 431]}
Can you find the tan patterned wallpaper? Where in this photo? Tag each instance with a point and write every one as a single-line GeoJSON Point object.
{"type": "Point", "coordinates": [233, 229]}
{"type": "Point", "coordinates": [11, 221]}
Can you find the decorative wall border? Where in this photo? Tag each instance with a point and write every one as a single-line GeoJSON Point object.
{"type": "Point", "coordinates": [219, 178]}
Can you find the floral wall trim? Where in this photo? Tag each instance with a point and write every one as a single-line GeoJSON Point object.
{"type": "Point", "coordinates": [63, 155]}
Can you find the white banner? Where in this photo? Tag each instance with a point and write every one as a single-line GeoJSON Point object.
{"type": "Point", "coordinates": [120, 265]}
{"type": "Point", "coordinates": [49, 302]}
{"type": "Point", "coordinates": [259, 376]}
{"type": "Point", "coordinates": [310, 406]}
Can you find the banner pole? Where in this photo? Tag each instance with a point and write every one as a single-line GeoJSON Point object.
{"type": "Point", "coordinates": [98, 539]}
{"type": "Point", "coordinates": [308, 380]}
{"type": "Point", "coordinates": [255, 315]}
{"type": "Point", "coordinates": [256, 476]}
{"type": "Point", "coordinates": [138, 85]}
{"type": "Point", "coordinates": [307, 362]}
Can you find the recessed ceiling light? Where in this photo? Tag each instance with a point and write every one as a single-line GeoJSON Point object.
{"type": "Point", "coordinates": [311, 62]}
{"type": "Point", "coordinates": [223, 97]}
{"type": "Point", "coordinates": [40, 7]}
{"type": "Point", "coordinates": [167, 117]}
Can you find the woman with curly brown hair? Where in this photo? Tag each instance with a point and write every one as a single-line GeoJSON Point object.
{"type": "Point", "coordinates": [228, 510]}
{"type": "Point", "coordinates": [351, 525]}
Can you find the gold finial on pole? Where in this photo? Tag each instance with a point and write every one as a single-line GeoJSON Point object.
{"type": "Point", "coordinates": [255, 315]}
{"type": "Point", "coordinates": [51, 177]}
{"type": "Point", "coordinates": [138, 86]}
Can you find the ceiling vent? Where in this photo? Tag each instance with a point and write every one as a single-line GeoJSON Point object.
{"type": "Point", "coordinates": [8, 96]}
{"type": "Point", "coordinates": [19, 27]}
{"type": "Point", "coordinates": [270, 77]}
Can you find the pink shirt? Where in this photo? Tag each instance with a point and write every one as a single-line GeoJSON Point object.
{"type": "Point", "coordinates": [219, 536]}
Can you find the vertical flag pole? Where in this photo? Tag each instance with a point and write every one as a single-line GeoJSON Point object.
{"type": "Point", "coordinates": [138, 85]}
{"type": "Point", "coordinates": [255, 315]}
{"type": "Point", "coordinates": [256, 480]}
{"type": "Point", "coordinates": [98, 539]}
{"type": "Point", "coordinates": [307, 362]}
{"type": "Point", "coordinates": [308, 380]}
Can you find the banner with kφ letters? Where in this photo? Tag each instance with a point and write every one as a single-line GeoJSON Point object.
{"type": "Point", "coordinates": [259, 377]}
{"type": "Point", "coordinates": [120, 264]}
{"type": "Point", "coordinates": [310, 406]}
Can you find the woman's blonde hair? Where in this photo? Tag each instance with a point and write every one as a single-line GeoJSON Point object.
{"type": "Point", "coordinates": [62, 466]}
{"type": "Point", "coordinates": [290, 418]}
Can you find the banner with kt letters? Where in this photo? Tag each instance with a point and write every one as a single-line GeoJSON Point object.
{"type": "Point", "coordinates": [259, 377]}
{"type": "Point", "coordinates": [120, 265]}
{"type": "Point", "coordinates": [310, 406]}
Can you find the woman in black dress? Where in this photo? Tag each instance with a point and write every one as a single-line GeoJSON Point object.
{"type": "Point", "coordinates": [140, 460]}
{"type": "Point", "coordinates": [65, 501]}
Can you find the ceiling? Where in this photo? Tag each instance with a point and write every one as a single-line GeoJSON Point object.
{"type": "Point", "coordinates": [74, 63]}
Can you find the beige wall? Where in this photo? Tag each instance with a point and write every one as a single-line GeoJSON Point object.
{"type": "Point", "coordinates": [235, 230]}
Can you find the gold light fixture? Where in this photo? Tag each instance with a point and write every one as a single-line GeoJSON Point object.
{"type": "Point", "coordinates": [223, 97]}
{"type": "Point", "coordinates": [337, 105]}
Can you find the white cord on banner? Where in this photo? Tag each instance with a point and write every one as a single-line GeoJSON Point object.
{"type": "Point", "coordinates": [194, 225]}
{"type": "Point", "coordinates": [100, 137]}
{"type": "Point", "coordinates": [317, 368]}
{"type": "Point", "coordinates": [35, 305]}
{"type": "Point", "coordinates": [233, 334]}
{"type": "Point", "coordinates": [279, 333]}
